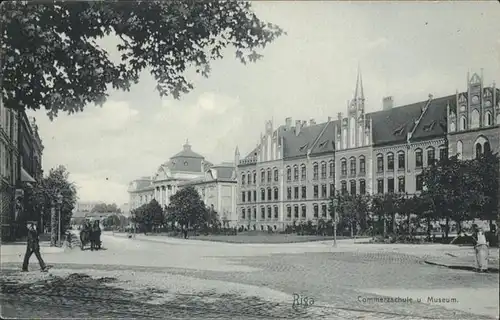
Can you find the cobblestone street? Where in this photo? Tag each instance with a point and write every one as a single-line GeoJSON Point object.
{"type": "Point", "coordinates": [180, 280]}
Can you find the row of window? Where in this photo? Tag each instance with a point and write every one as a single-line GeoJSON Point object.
{"type": "Point", "coordinates": [297, 193]}
{"type": "Point", "coordinates": [353, 189]}
{"type": "Point", "coordinates": [488, 121]}
{"type": "Point", "coordinates": [401, 184]}
{"type": "Point", "coordinates": [270, 175]}
{"type": "Point", "coordinates": [272, 212]}
{"type": "Point", "coordinates": [419, 163]}
{"type": "Point", "coordinates": [352, 160]}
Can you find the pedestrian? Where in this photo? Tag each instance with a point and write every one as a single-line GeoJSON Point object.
{"type": "Point", "coordinates": [33, 246]}
{"type": "Point", "coordinates": [482, 251]}
{"type": "Point", "coordinates": [185, 231]}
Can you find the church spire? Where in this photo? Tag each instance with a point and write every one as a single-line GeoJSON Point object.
{"type": "Point", "coordinates": [359, 93]}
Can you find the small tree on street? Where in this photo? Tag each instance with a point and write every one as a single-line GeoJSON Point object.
{"type": "Point", "coordinates": [187, 209]}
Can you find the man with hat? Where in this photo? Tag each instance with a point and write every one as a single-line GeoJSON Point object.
{"type": "Point", "coordinates": [33, 246]}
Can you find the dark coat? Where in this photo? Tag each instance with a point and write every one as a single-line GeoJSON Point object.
{"type": "Point", "coordinates": [33, 241]}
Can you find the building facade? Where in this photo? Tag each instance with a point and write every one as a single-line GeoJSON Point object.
{"type": "Point", "coordinates": [20, 166]}
{"type": "Point", "coordinates": [216, 184]}
{"type": "Point", "coordinates": [294, 170]}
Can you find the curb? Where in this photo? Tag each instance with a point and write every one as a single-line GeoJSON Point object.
{"type": "Point", "coordinates": [460, 267]}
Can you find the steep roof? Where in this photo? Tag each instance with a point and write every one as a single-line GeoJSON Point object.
{"type": "Point", "coordinates": [297, 145]}
{"type": "Point", "coordinates": [434, 122]}
{"type": "Point", "coordinates": [224, 172]}
{"type": "Point", "coordinates": [188, 161]}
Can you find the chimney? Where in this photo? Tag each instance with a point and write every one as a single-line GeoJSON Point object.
{"type": "Point", "coordinates": [329, 119]}
{"type": "Point", "coordinates": [298, 125]}
{"type": "Point", "coordinates": [312, 122]}
{"type": "Point", "coordinates": [339, 116]}
{"type": "Point", "coordinates": [430, 96]}
{"type": "Point", "coordinates": [288, 122]}
{"type": "Point", "coordinates": [387, 103]}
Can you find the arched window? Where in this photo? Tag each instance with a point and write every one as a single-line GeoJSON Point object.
{"type": "Point", "coordinates": [254, 177]}
{"type": "Point", "coordinates": [487, 148]}
{"type": "Point", "coordinates": [390, 161]}
{"type": "Point", "coordinates": [295, 173]}
{"type": "Point", "coordinates": [343, 187]}
{"type": "Point", "coordinates": [262, 194]}
{"type": "Point", "coordinates": [352, 165]}
{"type": "Point", "coordinates": [249, 178]}
{"type": "Point", "coordinates": [479, 150]}
{"type": "Point", "coordinates": [352, 129]}
{"type": "Point", "coordinates": [380, 163]}
{"type": "Point", "coordinates": [243, 213]}
{"type": "Point", "coordinates": [460, 147]}
{"type": "Point", "coordinates": [323, 170]}
{"type": "Point", "coordinates": [362, 164]}
{"type": "Point", "coordinates": [474, 119]}
{"type": "Point", "coordinates": [262, 176]}
{"type": "Point", "coordinates": [303, 172]}
{"type": "Point", "coordinates": [243, 179]}
{"type": "Point", "coordinates": [268, 175]}
{"type": "Point", "coordinates": [419, 160]}
{"type": "Point", "coordinates": [276, 196]}
{"type": "Point", "coordinates": [315, 171]}
{"type": "Point", "coordinates": [343, 167]}
{"type": "Point", "coordinates": [332, 168]}
{"type": "Point", "coordinates": [463, 123]}
{"type": "Point", "coordinates": [431, 155]}
{"type": "Point", "coordinates": [276, 175]}
{"type": "Point", "coordinates": [288, 174]}
{"type": "Point", "coordinates": [488, 119]}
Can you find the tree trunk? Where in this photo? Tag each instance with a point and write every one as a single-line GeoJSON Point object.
{"type": "Point", "coordinates": [446, 227]}
{"type": "Point", "coordinates": [352, 231]}
{"type": "Point", "coordinates": [428, 228]}
{"type": "Point", "coordinates": [384, 225]}
{"type": "Point", "coordinates": [53, 226]}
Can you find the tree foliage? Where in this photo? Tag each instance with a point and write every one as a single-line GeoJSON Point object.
{"type": "Point", "coordinates": [187, 209]}
{"type": "Point", "coordinates": [44, 195]}
{"type": "Point", "coordinates": [149, 214]}
{"type": "Point", "coordinates": [52, 61]}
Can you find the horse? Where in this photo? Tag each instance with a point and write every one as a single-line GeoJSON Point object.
{"type": "Point", "coordinates": [84, 236]}
{"type": "Point", "coordinates": [95, 236]}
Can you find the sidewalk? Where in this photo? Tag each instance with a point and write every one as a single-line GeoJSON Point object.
{"type": "Point", "coordinates": [19, 248]}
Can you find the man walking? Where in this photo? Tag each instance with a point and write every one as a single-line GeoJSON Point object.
{"type": "Point", "coordinates": [33, 246]}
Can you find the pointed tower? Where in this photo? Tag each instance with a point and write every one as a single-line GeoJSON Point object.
{"type": "Point", "coordinates": [236, 156]}
{"type": "Point", "coordinates": [356, 114]}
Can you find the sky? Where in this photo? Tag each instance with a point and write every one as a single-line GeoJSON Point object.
{"type": "Point", "coordinates": [406, 50]}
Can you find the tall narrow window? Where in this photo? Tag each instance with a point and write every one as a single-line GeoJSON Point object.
{"type": "Point", "coordinates": [362, 187]}
{"type": "Point", "coordinates": [401, 161]}
{"type": "Point", "coordinates": [401, 184]}
{"type": "Point", "coordinates": [268, 175]}
{"type": "Point", "coordinates": [315, 191]}
{"type": "Point", "coordinates": [443, 153]}
{"type": "Point", "coordinates": [431, 156]}
{"type": "Point", "coordinates": [362, 165]}
{"type": "Point", "coordinates": [390, 162]}
{"type": "Point", "coordinates": [380, 163]}
{"type": "Point", "coordinates": [474, 119]}
{"type": "Point", "coordinates": [288, 174]}
{"type": "Point", "coordinates": [419, 162]}
{"type": "Point", "coordinates": [289, 193]}
{"type": "Point", "coordinates": [488, 119]}
{"type": "Point", "coordinates": [295, 173]}
{"type": "Point", "coordinates": [352, 129]}
{"type": "Point", "coordinates": [323, 170]}
{"type": "Point", "coordinates": [304, 192]}
{"type": "Point", "coordinates": [324, 193]}
{"type": "Point", "coordinates": [343, 167]}
{"type": "Point", "coordinates": [479, 150]}
{"type": "Point", "coordinates": [289, 212]}
{"type": "Point", "coordinates": [460, 149]}
{"type": "Point", "coordinates": [276, 175]}
{"type": "Point", "coordinates": [262, 176]}
{"type": "Point", "coordinates": [353, 166]}
{"type": "Point", "coordinates": [243, 214]}
{"type": "Point", "coordinates": [353, 187]}
{"type": "Point", "coordinates": [243, 196]}
{"type": "Point", "coordinates": [269, 194]}
{"type": "Point", "coordinates": [343, 187]}
{"type": "Point", "coordinates": [304, 211]}
{"type": "Point", "coordinates": [296, 211]}
{"type": "Point", "coordinates": [390, 185]}
{"type": "Point", "coordinates": [243, 179]}
{"type": "Point", "coordinates": [315, 206]}
{"type": "Point", "coordinates": [276, 193]}
{"type": "Point", "coordinates": [323, 210]}
{"type": "Point", "coordinates": [463, 123]}
{"type": "Point", "coordinates": [332, 167]}
{"type": "Point", "coordinates": [380, 186]}
{"type": "Point", "coordinates": [296, 192]}
{"type": "Point", "coordinates": [315, 171]}
{"type": "Point", "coordinates": [303, 172]}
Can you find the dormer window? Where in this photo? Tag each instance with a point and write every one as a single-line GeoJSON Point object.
{"type": "Point", "coordinates": [430, 126]}
{"type": "Point", "coordinates": [399, 131]}
{"type": "Point", "coordinates": [302, 148]}
{"type": "Point", "coordinates": [185, 163]}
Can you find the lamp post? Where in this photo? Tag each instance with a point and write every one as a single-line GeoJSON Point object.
{"type": "Point", "coordinates": [59, 204]}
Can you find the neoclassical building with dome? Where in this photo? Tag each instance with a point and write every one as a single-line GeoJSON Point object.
{"type": "Point", "coordinates": [216, 184]}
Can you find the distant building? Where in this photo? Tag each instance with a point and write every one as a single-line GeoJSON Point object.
{"type": "Point", "coordinates": [85, 206]}
{"type": "Point", "coordinates": [216, 184]}
{"type": "Point", "coordinates": [294, 170]}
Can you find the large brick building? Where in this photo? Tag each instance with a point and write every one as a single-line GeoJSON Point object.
{"type": "Point", "coordinates": [293, 171]}
{"type": "Point", "coordinates": [20, 167]}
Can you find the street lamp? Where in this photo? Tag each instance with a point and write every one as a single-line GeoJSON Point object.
{"type": "Point", "coordinates": [59, 204]}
